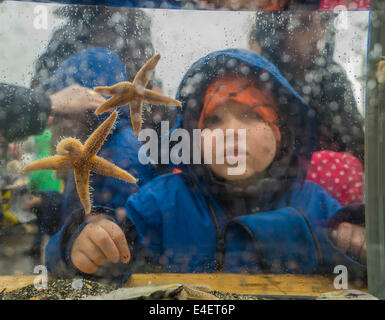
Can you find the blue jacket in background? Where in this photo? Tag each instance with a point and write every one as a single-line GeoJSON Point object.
{"type": "Point", "coordinates": [175, 224]}
{"type": "Point", "coordinates": [90, 68]}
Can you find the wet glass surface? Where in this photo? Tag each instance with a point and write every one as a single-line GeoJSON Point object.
{"type": "Point", "coordinates": [288, 153]}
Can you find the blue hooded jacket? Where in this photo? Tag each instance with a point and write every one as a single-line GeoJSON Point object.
{"type": "Point", "coordinates": [195, 222]}
{"type": "Point", "coordinates": [91, 68]}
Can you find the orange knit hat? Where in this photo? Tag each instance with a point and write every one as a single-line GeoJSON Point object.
{"type": "Point", "coordinates": [241, 90]}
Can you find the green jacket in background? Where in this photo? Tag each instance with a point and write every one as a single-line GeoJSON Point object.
{"type": "Point", "coordinates": [44, 180]}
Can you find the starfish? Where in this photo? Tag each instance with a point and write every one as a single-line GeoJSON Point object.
{"type": "Point", "coordinates": [72, 154]}
{"type": "Point", "coordinates": [134, 93]}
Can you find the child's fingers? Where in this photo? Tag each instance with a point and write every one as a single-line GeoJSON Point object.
{"type": "Point", "coordinates": [358, 237]}
{"type": "Point", "coordinates": [351, 239]}
{"type": "Point", "coordinates": [33, 202]}
{"type": "Point", "coordinates": [93, 252]}
{"type": "Point", "coordinates": [83, 263]}
{"type": "Point", "coordinates": [118, 238]}
{"type": "Point", "coordinates": [103, 240]}
{"type": "Point", "coordinates": [358, 242]}
{"type": "Point", "coordinates": [344, 236]}
{"type": "Point", "coordinates": [363, 253]}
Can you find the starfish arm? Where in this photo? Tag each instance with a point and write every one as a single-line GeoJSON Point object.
{"type": "Point", "coordinates": [111, 104]}
{"type": "Point", "coordinates": [157, 98]}
{"type": "Point", "coordinates": [136, 107]}
{"type": "Point", "coordinates": [51, 163]}
{"type": "Point", "coordinates": [82, 179]}
{"type": "Point", "coordinates": [145, 73]}
{"type": "Point", "coordinates": [96, 139]}
{"type": "Point", "coordinates": [122, 92]}
{"type": "Point", "coordinates": [115, 89]}
{"type": "Point", "coordinates": [106, 168]}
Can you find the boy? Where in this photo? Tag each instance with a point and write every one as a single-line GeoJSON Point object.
{"type": "Point", "coordinates": [264, 219]}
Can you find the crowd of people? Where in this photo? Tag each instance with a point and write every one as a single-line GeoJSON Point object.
{"type": "Point", "coordinates": [297, 208]}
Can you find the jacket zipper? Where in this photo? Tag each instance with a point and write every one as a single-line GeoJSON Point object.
{"type": "Point", "coordinates": [220, 244]}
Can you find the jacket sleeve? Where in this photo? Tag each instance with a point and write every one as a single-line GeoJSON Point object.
{"type": "Point", "coordinates": [278, 241]}
{"type": "Point", "coordinates": [284, 241]}
{"type": "Point", "coordinates": [49, 212]}
{"type": "Point", "coordinates": [143, 210]}
{"type": "Point", "coordinates": [24, 112]}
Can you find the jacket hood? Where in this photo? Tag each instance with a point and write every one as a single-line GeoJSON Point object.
{"type": "Point", "coordinates": [296, 119]}
{"type": "Point", "coordinates": [291, 107]}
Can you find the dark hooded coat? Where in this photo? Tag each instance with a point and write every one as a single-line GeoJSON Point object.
{"type": "Point", "coordinates": [326, 87]}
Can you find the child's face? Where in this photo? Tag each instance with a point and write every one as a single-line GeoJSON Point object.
{"type": "Point", "coordinates": [261, 145]}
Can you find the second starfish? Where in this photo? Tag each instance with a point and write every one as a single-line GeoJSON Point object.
{"type": "Point", "coordinates": [134, 93]}
{"type": "Point", "coordinates": [83, 159]}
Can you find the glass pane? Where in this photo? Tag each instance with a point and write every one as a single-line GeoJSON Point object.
{"type": "Point", "coordinates": [163, 141]}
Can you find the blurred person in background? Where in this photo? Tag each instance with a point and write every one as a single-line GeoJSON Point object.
{"type": "Point", "coordinates": [25, 112]}
{"type": "Point", "coordinates": [301, 44]}
{"type": "Point", "coordinates": [98, 46]}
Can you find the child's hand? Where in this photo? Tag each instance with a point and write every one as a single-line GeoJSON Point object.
{"type": "Point", "coordinates": [351, 239]}
{"type": "Point", "coordinates": [32, 202]}
{"type": "Point", "coordinates": [100, 241]}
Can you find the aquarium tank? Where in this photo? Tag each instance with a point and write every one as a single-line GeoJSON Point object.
{"type": "Point", "coordinates": [192, 149]}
